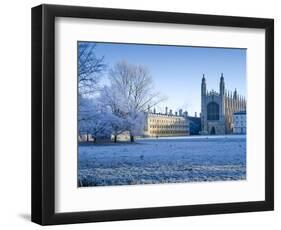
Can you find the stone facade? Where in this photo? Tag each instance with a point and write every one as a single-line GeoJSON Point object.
{"type": "Point", "coordinates": [240, 122]}
{"type": "Point", "coordinates": [166, 124]}
{"type": "Point", "coordinates": [217, 108]}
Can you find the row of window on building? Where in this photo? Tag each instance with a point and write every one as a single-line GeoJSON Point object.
{"type": "Point", "coordinates": [239, 122]}
{"type": "Point", "coordinates": [174, 120]}
{"type": "Point", "coordinates": [159, 132]}
{"type": "Point", "coordinates": [239, 130]}
{"type": "Point", "coordinates": [168, 126]}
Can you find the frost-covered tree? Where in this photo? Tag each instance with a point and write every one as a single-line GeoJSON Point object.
{"type": "Point", "coordinates": [135, 83]}
{"type": "Point", "coordinates": [90, 68]}
{"type": "Point", "coordinates": [130, 93]}
{"type": "Point", "coordinates": [136, 124]}
{"type": "Point", "coordinates": [115, 108]}
{"type": "Point", "coordinates": [114, 101]}
{"type": "Point", "coordinates": [97, 120]}
{"type": "Point", "coordinates": [86, 112]}
{"type": "Point", "coordinates": [100, 126]}
{"type": "Point", "coordinates": [118, 125]}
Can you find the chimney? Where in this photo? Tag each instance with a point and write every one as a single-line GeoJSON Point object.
{"type": "Point", "coordinates": [180, 112]}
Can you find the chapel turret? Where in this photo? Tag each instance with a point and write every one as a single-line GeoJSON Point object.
{"type": "Point", "coordinates": [222, 85]}
{"type": "Point", "coordinates": [203, 86]}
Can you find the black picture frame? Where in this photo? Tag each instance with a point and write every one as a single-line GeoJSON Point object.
{"type": "Point", "coordinates": [43, 114]}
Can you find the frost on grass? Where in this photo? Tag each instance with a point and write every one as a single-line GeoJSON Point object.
{"type": "Point", "coordinates": [167, 160]}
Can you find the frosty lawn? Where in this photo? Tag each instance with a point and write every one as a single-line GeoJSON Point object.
{"type": "Point", "coordinates": [163, 160]}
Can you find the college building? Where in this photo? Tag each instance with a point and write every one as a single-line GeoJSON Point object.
{"type": "Point", "coordinates": [218, 109]}
{"type": "Point", "coordinates": [239, 122]}
{"type": "Point", "coordinates": [166, 124]}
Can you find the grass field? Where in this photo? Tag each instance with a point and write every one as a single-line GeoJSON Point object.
{"type": "Point", "coordinates": [163, 160]}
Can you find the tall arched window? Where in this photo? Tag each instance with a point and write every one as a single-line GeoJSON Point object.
{"type": "Point", "coordinates": [213, 111]}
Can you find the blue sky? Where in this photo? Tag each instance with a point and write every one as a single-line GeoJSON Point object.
{"type": "Point", "coordinates": [177, 70]}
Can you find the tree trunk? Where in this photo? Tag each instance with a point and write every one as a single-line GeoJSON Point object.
{"type": "Point", "coordinates": [132, 138]}
{"type": "Point", "coordinates": [115, 138]}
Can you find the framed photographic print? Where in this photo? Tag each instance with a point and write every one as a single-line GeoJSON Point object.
{"type": "Point", "coordinates": [142, 114]}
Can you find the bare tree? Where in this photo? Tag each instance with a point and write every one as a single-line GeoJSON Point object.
{"type": "Point", "coordinates": [134, 94]}
{"type": "Point", "coordinates": [136, 86]}
{"type": "Point", "coordinates": [90, 68]}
